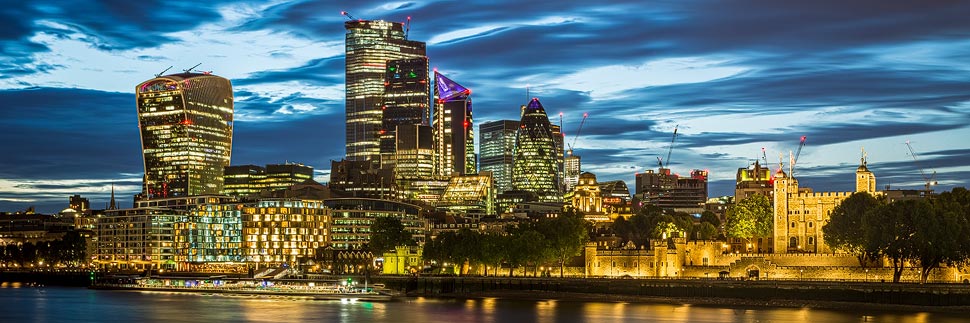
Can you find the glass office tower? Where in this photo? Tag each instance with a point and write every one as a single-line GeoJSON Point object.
{"type": "Point", "coordinates": [536, 166]}
{"type": "Point", "coordinates": [454, 129]}
{"type": "Point", "coordinates": [369, 46]}
{"type": "Point", "coordinates": [497, 151]}
{"type": "Point", "coordinates": [185, 121]}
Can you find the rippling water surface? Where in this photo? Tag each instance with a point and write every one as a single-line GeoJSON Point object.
{"type": "Point", "coordinates": [65, 304]}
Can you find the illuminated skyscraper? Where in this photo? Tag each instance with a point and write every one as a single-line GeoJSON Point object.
{"type": "Point", "coordinates": [243, 180]}
{"type": "Point", "coordinates": [454, 131]}
{"type": "Point", "coordinates": [186, 133]}
{"type": "Point", "coordinates": [406, 105]}
{"type": "Point", "coordinates": [536, 168]}
{"type": "Point", "coordinates": [497, 151]}
{"type": "Point", "coordinates": [369, 45]}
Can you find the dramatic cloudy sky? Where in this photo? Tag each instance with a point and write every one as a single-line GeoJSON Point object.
{"type": "Point", "coordinates": [735, 76]}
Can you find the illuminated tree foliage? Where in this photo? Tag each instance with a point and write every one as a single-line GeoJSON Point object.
{"type": "Point", "coordinates": [749, 218]}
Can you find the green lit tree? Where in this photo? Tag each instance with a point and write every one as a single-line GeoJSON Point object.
{"type": "Point", "coordinates": [749, 218]}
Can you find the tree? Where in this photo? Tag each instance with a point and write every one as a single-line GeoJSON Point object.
{"type": "Point", "coordinates": [845, 230]}
{"type": "Point", "coordinates": [890, 231]}
{"type": "Point", "coordinates": [749, 218]}
{"type": "Point", "coordinates": [524, 245]}
{"type": "Point", "coordinates": [492, 251]}
{"type": "Point", "coordinates": [711, 218]}
{"type": "Point", "coordinates": [387, 233]}
{"type": "Point", "coordinates": [565, 236]}
{"type": "Point", "coordinates": [703, 231]}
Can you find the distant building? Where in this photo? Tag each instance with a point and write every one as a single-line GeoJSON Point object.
{"type": "Point", "coordinates": [800, 213]}
{"type": "Point", "coordinates": [572, 168]}
{"type": "Point", "coordinates": [369, 45]}
{"type": "Point", "coordinates": [616, 197]}
{"type": "Point", "coordinates": [403, 261]}
{"type": "Point", "coordinates": [168, 233]}
{"type": "Point", "coordinates": [497, 151]}
{"type": "Point", "coordinates": [406, 104]}
{"type": "Point", "coordinates": [753, 180]}
{"type": "Point", "coordinates": [414, 163]}
{"type": "Point", "coordinates": [244, 180]}
{"type": "Point", "coordinates": [79, 203]}
{"type": "Point", "coordinates": [672, 192]}
{"type": "Point", "coordinates": [362, 179]}
{"type": "Point", "coordinates": [558, 139]}
{"type": "Point", "coordinates": [352, 218]}
{"type": "Point", "coordinates": [24, 227]}
{"type": "Point", "coordinates": [470, 194]}
{"type": "Point", "coordinates": [284, 230]}
{"type": "Point", "coordinates": [587, 198]}
{"type": "Point", "coordinates": [454, 128]}
{"type": "Point", "coordinates": [536, 167]}
{"type": "Point", "coordinates": [185, 122]}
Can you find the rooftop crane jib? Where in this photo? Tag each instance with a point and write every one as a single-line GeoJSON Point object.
{"type": "Point", "coordinates": [928, 180]}
{"type": "Point", "coordinates": [163, 72]}
{"type": "Point", "coordinates": [576, 137]}
{"type": "Point", "coordinates": [664, 163]}
{"type": "Point", "coordinates": [348, 15]}
{"type": "Point", "coordinates": [794, 161]}
{"type": "Point", "coordinates": [192, 68]}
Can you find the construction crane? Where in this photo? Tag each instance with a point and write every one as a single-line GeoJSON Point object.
{"type": "Point", "coordinates": [929, 180]}
{"type": "Point", "coordinates": [576, 137]}
{"type": "Point", "coordinates": [163, 72]}
{"type": "Point", "coordinates": [192, 68]}
{"type": "Point", "coordinates": [794, 161]}
{"type": "Point", "coordinates": [407, 28]}
{"type": "Point", "coordinates": [348, 15]}
{"type": "Point", "coordinates": [663, 163]}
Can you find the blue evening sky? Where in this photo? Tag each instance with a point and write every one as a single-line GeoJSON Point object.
{"type": "Point", "coordinates": [735, 76]}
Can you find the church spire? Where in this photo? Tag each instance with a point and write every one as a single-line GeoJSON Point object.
{"type": "Point", "coordinates": [112, 205]}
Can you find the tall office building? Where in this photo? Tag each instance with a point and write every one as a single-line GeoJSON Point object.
{"type": "Point", "coordinates": [185, 122]}
{"type": "Point", "coordinates": [406, 102]}
{"type": "Point", "coordinates": [369, 45]}
{"type": "Point", "coordinates": [454, 130]}
{"type": "Point", "coordinates": [244, 180]}
{"type": "Point", "coordinates": [496, 144]}
{"type": "Point", "coordinates": [572, 168]}
{"type": "Point", "coordinates": [535, 168]}
{"type": "Point", "coordinates": [558, 138]}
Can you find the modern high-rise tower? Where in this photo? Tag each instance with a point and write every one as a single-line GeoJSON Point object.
{"type": "Point", "coordinates": [369, 46]}
{"type": "Point", "coordinates": [406, 105]}
{"type": "Point", "coordinates": [536, 168]}
{"type": "Point", "coordinates": [497, 151]}
{"type": "Point", "coordinates": [185, 122]}
{"type": "Point", "coordinates": [454, 131]}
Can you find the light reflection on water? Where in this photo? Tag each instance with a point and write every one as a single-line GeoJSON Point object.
{"type": "Point", "coordinates": [56, 304]}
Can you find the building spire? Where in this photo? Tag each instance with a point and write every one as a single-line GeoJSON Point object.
{"type": "Point", "coordinates": [112, 205]}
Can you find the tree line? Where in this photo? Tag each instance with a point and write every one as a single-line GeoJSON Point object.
{"type": "Point", "coordinates": [651, 223]}
{"type": "Point", "coordinates": [545, 241]}
{"type": "Point", "coordinates": [929, 232]}
{"type": "Point", "coordinates": [69, 250]}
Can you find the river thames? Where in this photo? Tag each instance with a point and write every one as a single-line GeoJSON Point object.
{"type": "Point", "coordinates": [73, 304]}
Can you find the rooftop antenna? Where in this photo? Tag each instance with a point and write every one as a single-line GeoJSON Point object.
{"type": "Point", "coordinates": [192, 68]}
{"type": "Point", "coordinates": [163, 72]}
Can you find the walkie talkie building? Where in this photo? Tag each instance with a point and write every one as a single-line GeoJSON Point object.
{"type": "Point", "coordinates": [185, 121]}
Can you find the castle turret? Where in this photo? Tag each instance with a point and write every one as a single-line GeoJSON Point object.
{"type": "Point", "coordinates": [865, 181]}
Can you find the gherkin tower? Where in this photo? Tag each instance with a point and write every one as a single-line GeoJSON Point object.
{"type": "Point", "coordinates": [535, 168]}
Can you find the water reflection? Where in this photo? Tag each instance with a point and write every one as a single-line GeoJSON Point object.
{"type": "Point", "coordinates": [53, 304]}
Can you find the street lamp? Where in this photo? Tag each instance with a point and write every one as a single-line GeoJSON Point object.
{"type": "Point", "coordinates": [867, 274]}
{"type": "Point", "coordinates": [800, 274]}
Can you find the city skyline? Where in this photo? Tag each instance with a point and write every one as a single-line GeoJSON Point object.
{"type": "Point", "coordinates": [734, 77]}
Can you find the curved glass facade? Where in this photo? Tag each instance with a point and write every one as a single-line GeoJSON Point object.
{"type": "Point", "coordinates": [185, 122]}
{"type": "Point", "coordinates": [536, 168]}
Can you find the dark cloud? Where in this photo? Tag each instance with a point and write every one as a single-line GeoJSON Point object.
{"type": "Point", "coordinates": [901, 63]}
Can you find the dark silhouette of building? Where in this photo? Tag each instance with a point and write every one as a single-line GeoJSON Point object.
{"type": "Point", "coordinates": [672, 192]}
